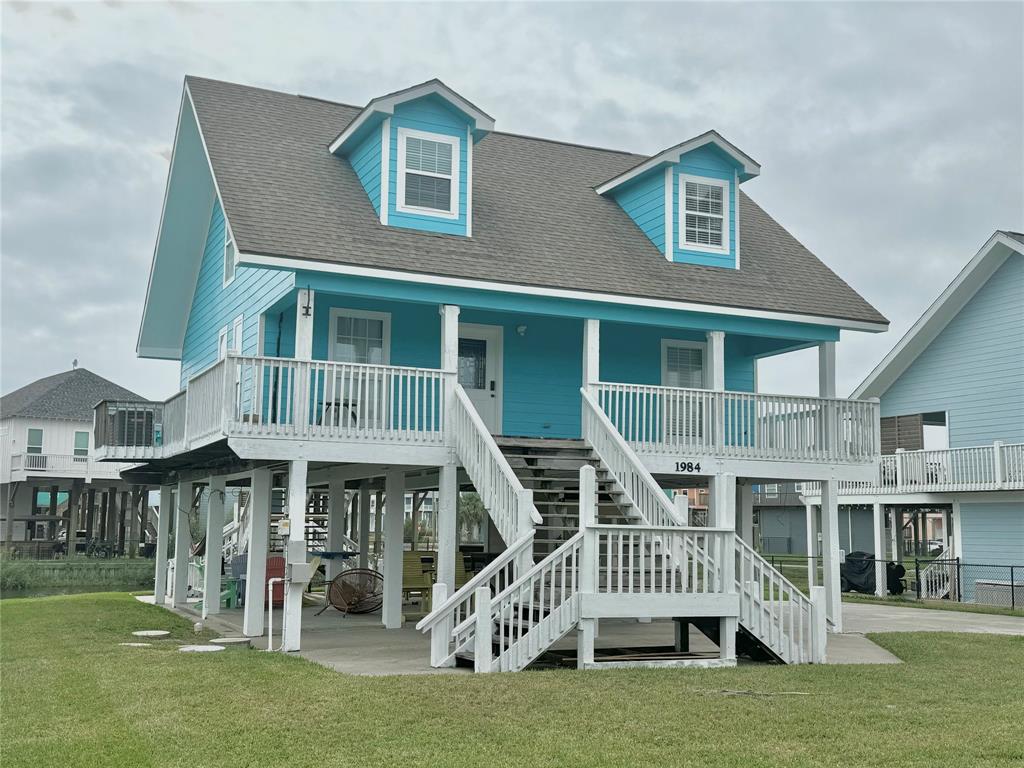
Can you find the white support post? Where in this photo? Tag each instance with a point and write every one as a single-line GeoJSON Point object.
{"type": "Point", "coordinates": [441, 633]}
{"type": "Point", "coordinates": [896, 534]}
{"type": "Point", "coordinates": [682, 504]}
{"type": "Point", "coordinates": [819, 625]}
{"type": "Point", "coordinates": [812, 546]}
{"type": "Point", "coordinates": [364, 523]}
{"type": "Point", "coordinates": [335, 525]}
{"type": "Point", "coordinates": [182, 543]}
{"type": "Point", "coordinates": [878, 515]}
{"type": "Point", "coordinates": [830, 552]}
{"type": "Point", "coordinates": [722, 499]}
{"type": "Point", "coordinates": [591, 352]}
{"type": "Point", "coordinates": [449, 361]}
{"type": "Point", "coordinates": [445, 523]}
{"type": "Point", "coordinates": [483, 635]}
{"type": "Point", "coordinates": [303, 351]}
{"type": "Point", "coordinates": [260, 491]}
{"type": "Point", "coordinates": [214, 547]}
{"type": "Point", "coordinates": [586, 630]}
{"type": "Point", "coordinates": [827, 369]}
{"type": "Point", "coordinates": [997, 463]}
{"type": "Point", "coordinates": [394, 524]}
{"type": "Point", "coordinates": [291, 630]}
{"type": "Point", "coordinates": [716, 360]}
{"type": "Point", "coordinates": [901, 470]}
{"type": "Point", "coordinates": [163, 532]}
{"type": "Point", "coordinates": [746, 505]}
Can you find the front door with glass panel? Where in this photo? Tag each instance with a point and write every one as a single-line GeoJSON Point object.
{"type": "Point", "coordinates": [682, 366]}
{"type": "Point", "coordinates": [480, 373]}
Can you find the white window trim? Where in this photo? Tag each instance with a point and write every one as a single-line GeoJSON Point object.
{"type": "Point", "coordinates": [42, 437]}
{"type": "Point", "coordinates": [237, 330]}
{"type": "Point", "coordinates": [74, 446]}
{"type": "Point", "coordinates": [666, 344]}
{"type": "Point", "coordinates": [700, 248]}
{"type": "Point", "coordinates": [222, 344]}
{"type": "Point", "coordinates": [400, 206]}
{"type": "Point", "coordinates": [338, 312]}
{"type": "Point", "coordinates": [229, 241]}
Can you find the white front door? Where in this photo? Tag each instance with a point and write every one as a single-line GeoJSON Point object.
{"type": "Point", "coordinates": [480, 374]}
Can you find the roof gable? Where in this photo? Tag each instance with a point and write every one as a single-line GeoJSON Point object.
{"type": "Point", "coordinates": [69, 395]}
{"type": "Point", "coordinates": [957, 294]}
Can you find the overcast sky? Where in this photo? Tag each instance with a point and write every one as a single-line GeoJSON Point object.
{"type": "Point", "coordinates": [891, 137]}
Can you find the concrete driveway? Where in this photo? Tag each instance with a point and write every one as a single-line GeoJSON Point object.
{"type": "Point", "coordinates": [861, 618]}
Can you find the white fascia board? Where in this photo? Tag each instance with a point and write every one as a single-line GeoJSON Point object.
{"type": "Point", "coordinates": [672, 155]}
{"type": "Point", "coordinates": [284, 262]}
{"type": "Point", "coordinates": [936, 317]}
{"type": "Point", "coordinates": [386, 105]}
{"type": "Point", "coordinates": [159, 353]}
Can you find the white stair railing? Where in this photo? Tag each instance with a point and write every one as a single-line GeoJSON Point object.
{"type": "Point", "coordinates": [775, 611]}
{"type": "Point", "coordinates": [939, 576]}
{"type": "Point", "coordinates": [509, 505]}
{"type": "Point", "coordinates": [451, 612]}
{"type": "Point", "coordinates": [643, 492]}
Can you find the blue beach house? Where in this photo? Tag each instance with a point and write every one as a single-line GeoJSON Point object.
{"type": "Point", "coordinates": [398, 296]}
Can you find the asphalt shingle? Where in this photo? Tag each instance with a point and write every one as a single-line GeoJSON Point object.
{"type": "Point", "coordinates": [536, 217]}
{"type": "Point", "coordinates": [69, 395]}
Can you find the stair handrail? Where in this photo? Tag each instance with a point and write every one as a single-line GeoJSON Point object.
{"type": "Point", "coordinates": [460, 603]}
{"type": "Point", "coordinates": [507, 502]}
{"type": "Point", "coordinates": [639, 485]}
{"type": "Point", "coordinates": [791, 627]}
{"type": "Point", "coordinates": [512, 655]}
{"type": "Point", "coordinates": [938, 574]}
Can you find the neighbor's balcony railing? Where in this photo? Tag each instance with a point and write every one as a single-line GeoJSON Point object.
{"type": "Point", "coordinates": [701, 422]}
{"type": "Point", "coordinates": [999, 466]}
{"type": "Point", "coordinates": [62, 465]}
{"type": "Point", "coordinates": [248, 396]}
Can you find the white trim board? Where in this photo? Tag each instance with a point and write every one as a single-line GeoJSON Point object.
{"type": "Point", "coordinates": [922, 333]}
{"type": "Point", "coordinates": [720, 250]}
{"type": "Point", "coordinates": [454, 179]}
{"type": "Point", "coordinates": [306, 265]}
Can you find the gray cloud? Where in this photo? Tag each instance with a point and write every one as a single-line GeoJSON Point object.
{"type": "Point", "coordinates": [890, 134]}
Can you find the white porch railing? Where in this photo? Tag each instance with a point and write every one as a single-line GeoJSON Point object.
{"type": "Point", "coordinates": [977, 468]}
{"type": "Point", "coordinates": [62, 465]}
{"type": "Point", "coordinates": [510, 505]}
{"type": "Point", "coordinates": [701, 422]}
{"type": "Point", "coordinates": [938, 578]}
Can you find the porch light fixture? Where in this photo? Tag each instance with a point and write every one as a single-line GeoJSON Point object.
{"type": "Point", "coordinates": [521, 330]}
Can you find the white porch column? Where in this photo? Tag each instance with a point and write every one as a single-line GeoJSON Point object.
{"type": "Point", "coordinates": [214, 547]}
{"type": "Point", "coordinates": [394, 490]}
{"type": "Point", "coordinates": [715, 375]}
{"type": "Point", "coordinates": [830, 553]}
{"type": "Point", "coordinates": [253, 615]}
{"type": "Point", "coordinates": [449, 338]}
{"type": "Point", "coordinates": [445, 522]}
{"type": "Point", "coordinates": [878, 517]}
{"type": "Point", "coordinates": [335, 525]}
{"type": "Point", "coordinates": [745, 494]}
{"type": "Point", "coordinates": [304, 325]}
{"type": "Point", "coordinates": [296, 554]}
{"type": "Point", "coordinates": [163, 532]}
{"type": "Point", "coordinates": [896, 534]}
{"type": "Point", "coordinates": [182, 542]}
{"type": "Point", "coordinates": [722, 508]}
{"type": "Point", "coordinates": [363, 509]}
{"type": "Point", "coordinates": [591, 352]}
{"type": "Point", "coordinates": [812, 545]}
{"type": "Point", "coordinates": [827, 369]}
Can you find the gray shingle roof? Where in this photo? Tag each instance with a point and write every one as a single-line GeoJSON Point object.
{"type": "Point", "coordinates": [536, 218]}
{"type": "Point", "coordinates": [1015, 235]}
{"type": "Point", "coordinates": [69, 395]}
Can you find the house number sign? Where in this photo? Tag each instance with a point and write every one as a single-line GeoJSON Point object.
{"type": "Point", "coordinates": [687, 466]}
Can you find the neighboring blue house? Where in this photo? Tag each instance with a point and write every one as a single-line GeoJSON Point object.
{"type": "Point", "coordinates": [400, 291]}
{"type": "Point", "coordinates": [952, 396]}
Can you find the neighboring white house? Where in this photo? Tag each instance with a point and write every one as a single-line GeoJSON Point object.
{"type": "Point", "coordinates": [46, 467]}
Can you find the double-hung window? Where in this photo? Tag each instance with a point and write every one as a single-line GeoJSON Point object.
{"type": "Point", "coordinates": [34, 444]}
{"type": "Point", "coordinates": [81, 446]}
{"type": "Point", "coordinates": [682, 366]}
{"type": "Point", "coordinates": [359, 397]}
{"type": "Point", "coordinates": [704, 214]}
{"type": "Point", "coordinates": [428, 173]}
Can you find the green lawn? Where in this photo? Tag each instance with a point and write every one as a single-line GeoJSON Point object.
{"type": "Point", "coordinates": [71, 696]}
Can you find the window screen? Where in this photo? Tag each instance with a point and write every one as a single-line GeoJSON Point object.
{"type": "Point", "coordinates": [684, 367]}
{"type": "Point", "coordinates": [705, 214]}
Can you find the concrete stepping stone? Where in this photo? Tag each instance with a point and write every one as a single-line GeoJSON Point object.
{"type": "Point", "coordinates": [151, 633]}
{"type": "Point", "coordinates": [201, 648]}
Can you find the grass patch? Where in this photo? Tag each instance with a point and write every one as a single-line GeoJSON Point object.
{"type": "Point", "coordinates": [76, 571]}
{"type": "Point", "coordinates": [70, 693]}
{"type": "Point", "coordinates": [935, 605]}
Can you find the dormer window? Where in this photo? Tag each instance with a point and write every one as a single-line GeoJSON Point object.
{"type": "Point", "coordinates": [428, 174]}
{"type": "Point", "coordinates": [704, 215]}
